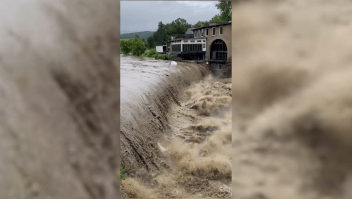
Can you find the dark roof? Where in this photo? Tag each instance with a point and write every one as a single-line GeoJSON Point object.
{"type": "Point", "coordinates": [189, 31]}
{"type": "Point", "coordinates": [185, 36]}
{"type": "Point", "coordinates": [214, 25]}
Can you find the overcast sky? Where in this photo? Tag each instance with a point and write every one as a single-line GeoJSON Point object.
{"type": "Point", "coordinates": [139, 16]}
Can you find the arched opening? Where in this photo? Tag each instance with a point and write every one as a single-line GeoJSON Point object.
{"type": "Point", "coordinates": [218, 50]}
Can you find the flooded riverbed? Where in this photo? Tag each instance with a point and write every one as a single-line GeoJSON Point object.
{"type": "Point", "coordinates": [179, 136]}
{"type": "Point", "coordinates": [139, 73]}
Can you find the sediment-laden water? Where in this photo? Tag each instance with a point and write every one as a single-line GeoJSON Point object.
{"type": "Point", "coordinates": [59, 99]}
{"type": "Point", "coordinates": [292, 99]}
{"type": "Point", "coordinates": [178, 137]}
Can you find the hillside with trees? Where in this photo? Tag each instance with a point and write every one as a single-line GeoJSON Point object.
{"type": "Point", "coordinates": [142, 35]}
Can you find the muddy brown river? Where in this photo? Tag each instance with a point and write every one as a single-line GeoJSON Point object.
{"type": "Point", "coordinates": [178, 137]}
{"type": "Point", "coordinates": [292, 99]}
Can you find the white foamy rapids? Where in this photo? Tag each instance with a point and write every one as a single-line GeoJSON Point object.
{"type": "Point", "coordinates": [198, 153]}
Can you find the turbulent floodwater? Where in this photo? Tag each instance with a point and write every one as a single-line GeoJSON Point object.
{"type": "Point", "coordinates": [292, 99]}
{"type": "Point", "coordinates": [59, 99]}
{"type": "Point", "coordinates": [189, 154]}
{"type": "Point", "coordinates": [139, 73]}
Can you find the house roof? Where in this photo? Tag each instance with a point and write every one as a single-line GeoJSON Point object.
{"type": "Point", "coordinates": [213, 25]}
{"type": "Point", "coordinates": [189, 31]}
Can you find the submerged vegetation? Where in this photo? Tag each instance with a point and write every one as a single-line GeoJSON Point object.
{"type": "Point", "coordinates": [137, 48]}
{"type": "Point", "coordinates": [153, 54]}
{"type": "Point", "coordinates": [123, 170]}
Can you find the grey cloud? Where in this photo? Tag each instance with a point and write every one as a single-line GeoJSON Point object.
{"type": "Point", "coordinates": [144, 15]}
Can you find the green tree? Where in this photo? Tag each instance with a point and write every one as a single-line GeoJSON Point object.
{"type": "Point", "coordinates": [152, 53]}
{"type": "Point", "coordinates": [145, 43]}
{"type": "Point", "coordinates": [165, 31]}
{"type": "Point", "coordinates": [225, 16]}
{"type": "Point", "coordinates": [160, 35]}
{"type": "Point", "coordinates": [126, 46]}
{"type": "Point", "coordinates": [168, 29]}
{"type": "Point", "coordinates": [225, 8]}
{"type": "Point", "coordinates": [179, 26]}
{"type": "Point", "coordinates": [217, 19]}
{"type": "Point", "coordinates": [151, 42]}
{"type": "Point", "coordinates": [138, 46]}
{"type": "Point", "coordinates": [200, 24]}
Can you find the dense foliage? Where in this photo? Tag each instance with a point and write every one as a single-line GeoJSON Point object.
{"type": "Point", "coordinates": [135, 46]}
{"type": "Point", "coordinates": [201, 23]}
{"type": "Point", "coordinates": [165, 31]}
{"type": "Point", "coordinates": [126, 46]}
{"type": "Point", "coordinates": [160, 35]}
{"type": "Point", "coordinates": [180, 26]}
{"type": "Point", "coordinates": [153, 54]}
{"type": "Point", "coordinates": [150, 42]}
{"type": "Point", "coordinates": [225, 16]}
{"type": "Point", "coordinates": [226, 10]}
{"type": "Point", "coordinates": [138, 46]}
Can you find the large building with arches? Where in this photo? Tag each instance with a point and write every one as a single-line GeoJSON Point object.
{"type": "Point", "coordinates": [210, 44]}
{"type": "Point", "coordinates": [217, 41]}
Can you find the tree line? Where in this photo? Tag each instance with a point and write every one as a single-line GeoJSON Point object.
{"type": "Point", "coordinates": [180, 26]}
{"type": "Point", "coordinates": [225, 16]}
